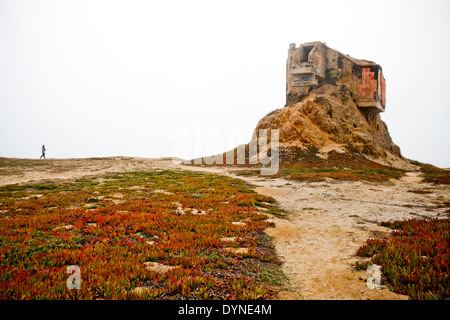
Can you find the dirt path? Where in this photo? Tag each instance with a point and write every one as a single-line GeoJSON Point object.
{"type": "Point", "coordinates": [327, 221]}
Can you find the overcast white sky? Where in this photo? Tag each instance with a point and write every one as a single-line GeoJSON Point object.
{"type": "Point", "coordinates": [165, 78]}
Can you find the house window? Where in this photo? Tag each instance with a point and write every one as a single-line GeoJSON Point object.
{"type": "Point", "coordinates": [305, 52]}
{"type": "Point", "coordinates": [340, 63]}
{"type": "Point", "coordinates": [303, 77]}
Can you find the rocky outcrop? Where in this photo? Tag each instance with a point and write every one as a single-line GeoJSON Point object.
{"type": "Point", "coordinates": [328, 119]}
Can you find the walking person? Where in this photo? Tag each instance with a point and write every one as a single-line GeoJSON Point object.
{"type": "Point", "coordinates": [43, 152]}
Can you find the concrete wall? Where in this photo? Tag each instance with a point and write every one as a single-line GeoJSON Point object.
{"type": "Point", "coordinates": [305, 67]}
{"type": "Point", "coordinates": [318, 59]}
{"type": "Point", "coordinates": [369, 84]}
{"type": "Point", "coordinates": [382, 89]}
{"type": "Point", "coordinates": [341, 71]}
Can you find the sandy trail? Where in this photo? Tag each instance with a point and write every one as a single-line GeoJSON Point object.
{"type": "Point", "coordinates": [326, 224]}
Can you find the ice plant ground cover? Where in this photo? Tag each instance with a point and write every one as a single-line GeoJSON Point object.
{"type": "Point", "coordinates": [308, 166]}
{"type": "Point", "coordinates": [205, 232]}
{"type": "Point", "coordinates": [415, 259]}
{"type": "Point", "coordinates": [434, 174]}
{"type": "Point", "coordinates": [305, 164]}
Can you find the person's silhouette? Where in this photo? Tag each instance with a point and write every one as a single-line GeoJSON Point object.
{"type": "Point", "coordinates": [43, 152]}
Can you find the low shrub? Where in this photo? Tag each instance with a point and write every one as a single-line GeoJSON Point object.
{"type": "Point", "coordinates": [415, 260]}
{"type": "Point", "coordinates": [138, 218]}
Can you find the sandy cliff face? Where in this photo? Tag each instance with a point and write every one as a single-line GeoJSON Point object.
{"type": "Point", "coordinates": [328, 119]}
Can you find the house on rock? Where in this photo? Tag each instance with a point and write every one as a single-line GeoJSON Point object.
{"type": "Point", "coordinates": [314, 64]}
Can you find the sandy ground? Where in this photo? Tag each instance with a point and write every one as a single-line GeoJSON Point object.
{"type": "Point", "coordinates": [317, 240]}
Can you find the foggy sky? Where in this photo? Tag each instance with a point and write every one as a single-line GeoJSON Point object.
{"type": "Point", "coordinates": [191, 78]}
